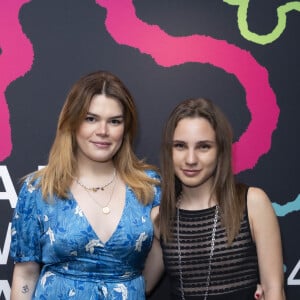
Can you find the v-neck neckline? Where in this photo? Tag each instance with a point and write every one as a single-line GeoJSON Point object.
{"type": "Point", "coordinates": [90, 225]}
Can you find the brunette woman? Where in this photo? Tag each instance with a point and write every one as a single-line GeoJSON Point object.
{"type": "Point", "coordinates": [218, 238]}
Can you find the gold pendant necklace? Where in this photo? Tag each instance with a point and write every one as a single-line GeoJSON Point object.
{"type": "Point", "coordinates": [105, 209]}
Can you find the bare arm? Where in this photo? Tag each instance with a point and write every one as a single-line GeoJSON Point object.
{"type": "Point", "coordinates": [266, 234]}
{"type": "Point", "coordinates": [154, 266]}
{"type": "Point", "coordinates": [25, 276]}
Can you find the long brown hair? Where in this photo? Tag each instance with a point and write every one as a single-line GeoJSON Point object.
{"type": "Point", "coordinates": [229, 196]}
{"type": "Point", "coordinates": [59, 173]}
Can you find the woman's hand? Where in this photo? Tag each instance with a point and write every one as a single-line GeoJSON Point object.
{"type": "Point", "coordinates": [259, 293]}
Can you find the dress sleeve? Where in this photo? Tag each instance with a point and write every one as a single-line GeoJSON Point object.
{"type": "Point", "coordinates": [157, 188]}
{"type": "Point", "coordinates": [26, 230]}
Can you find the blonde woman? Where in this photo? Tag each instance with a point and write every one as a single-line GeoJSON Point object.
{"type": "Point", "coordinates": [82, 226]}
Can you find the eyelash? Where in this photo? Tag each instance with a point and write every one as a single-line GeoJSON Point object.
{"type": "Point", "coordinates": [179, 145]}
{"type": "Point", "coordinates": [205, 146]}
{"type": "Point", "coordinates": [116, 121]}
{"type": "Point", "coordinates": [91, 119]}
{"type": "Point", "coordinates": [201, 146]}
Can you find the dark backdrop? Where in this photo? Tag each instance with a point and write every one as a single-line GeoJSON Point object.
{"type": "Point", "coordinates": [45, 45]}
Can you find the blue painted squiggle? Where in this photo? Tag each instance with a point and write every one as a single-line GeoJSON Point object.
{"type": "Point", "coordinates": [283, 210]}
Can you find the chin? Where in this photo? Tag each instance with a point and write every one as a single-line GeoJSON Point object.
{"type": "Point", "coordinates": [102, 159]}
{"type": "Point", "coordinates": [196, 183]}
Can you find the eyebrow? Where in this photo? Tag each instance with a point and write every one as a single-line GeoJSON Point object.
{"type": "Point", "coordinates": [198, 142]}
{"type": "Point", "coordinates": [113, 117]}
{"type": "Point", "coordinates": [207, 141]}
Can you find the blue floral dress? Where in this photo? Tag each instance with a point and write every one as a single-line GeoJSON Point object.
{"type": "Point", "coordinates": [76, 265]}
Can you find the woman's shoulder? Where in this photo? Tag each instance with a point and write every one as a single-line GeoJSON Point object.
{"type": "Point", "coordinates": [29, 196]}
{"type": "Point", "coordinates": [262, 216]}
{"type": "Point", "coordinates": [257, 196]}
{"type": "Point", "coordinates": [258, 202]}
{"type": "Point", "coordinates": [30, 185]}
{"type": "Point", "coordinates": [31, 182]}
{"type": "Point", "coordinates": [152, 173]}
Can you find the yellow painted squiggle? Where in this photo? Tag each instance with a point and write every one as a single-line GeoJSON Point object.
{"type": "Point", "coordinates": [264, 38]}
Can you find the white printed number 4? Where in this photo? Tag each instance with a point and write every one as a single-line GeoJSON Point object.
{"type": "Point", "coordinates": [291, 279]}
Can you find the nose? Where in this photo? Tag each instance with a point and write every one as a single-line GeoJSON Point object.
{"type": "Point", "coordinates": [102, 129]}
{"type": "Point", "coordinates": [191, 158]}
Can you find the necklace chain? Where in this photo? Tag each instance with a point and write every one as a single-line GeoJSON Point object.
{"type": "Point", "coordinates": [97, 188]}
{"type": "Point", "coordinates": [105, 209]}
{"type": "Point", "coordinates": [212, 248]}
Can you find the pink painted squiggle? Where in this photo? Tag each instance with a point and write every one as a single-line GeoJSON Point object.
{"type": "Point", "coordinates": [15, 60]}
{"type": "Point", "coordinates": [124, 26]}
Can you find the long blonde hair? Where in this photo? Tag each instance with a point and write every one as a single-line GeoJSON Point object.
{"type": "Point", "coordinates": [230, 197]}
{"type": "Point", "coordinates": [57, 176]}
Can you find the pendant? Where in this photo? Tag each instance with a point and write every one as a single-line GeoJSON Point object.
{"type": "Point", "coordinates": [106, 210]}
{"type": "Point", "coordinates": [95, 189]}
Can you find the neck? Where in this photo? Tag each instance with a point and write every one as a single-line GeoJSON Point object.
{"type": "Point", "coordinates": [95, 176]}
{"type": "Point", "coordinates": [94, 169]}
{"type": "Point", "coordinates": [196, 198]}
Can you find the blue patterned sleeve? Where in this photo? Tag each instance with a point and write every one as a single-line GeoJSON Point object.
{"type": "Point", "coordinates": [25, 230]}
{"type": "Point", "coordinates": [157, 189]}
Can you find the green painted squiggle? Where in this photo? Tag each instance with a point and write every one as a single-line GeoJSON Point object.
{"type": "Point", "coordinates": [265, 38]}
